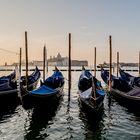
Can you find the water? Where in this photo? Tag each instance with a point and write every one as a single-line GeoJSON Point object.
{"type": "Point", "coordinates": [67, 121]}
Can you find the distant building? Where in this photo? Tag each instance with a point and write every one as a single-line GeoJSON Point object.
{"type": "Point", "coordinates": [64, 61]}
{"type": "Point", "coordinates": [79, 63]}
{"type": "Point", "coordinates": [5, 64]}
{"type": "Point", "coordinates": [36, 63]}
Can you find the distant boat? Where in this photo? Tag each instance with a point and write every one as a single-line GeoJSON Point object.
{"type": "Point", "coordinates": [91, 93]}
{"type": "Point", "coordinates": [104, 65]}
{"type": "Point", "coordinates": [50, 90]}
{"type": "Point", "coordinates": [121, 89]}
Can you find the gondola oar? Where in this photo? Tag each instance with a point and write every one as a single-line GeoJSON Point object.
{"type": "Point", "coordinates": [93, 92]}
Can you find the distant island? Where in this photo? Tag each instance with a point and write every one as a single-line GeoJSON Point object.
{"type": "Point", "coordinates": [64, 61]}
{"type": "Point", "coordinates": [121, 64]}
{"type": "Point", "coordinates": [57, 61]}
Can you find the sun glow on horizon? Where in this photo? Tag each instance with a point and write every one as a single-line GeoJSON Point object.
{"type": "Point", "coordinates": [90, 23]}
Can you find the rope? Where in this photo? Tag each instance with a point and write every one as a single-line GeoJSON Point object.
{"type": "Point", "coordinates": [9, 51]}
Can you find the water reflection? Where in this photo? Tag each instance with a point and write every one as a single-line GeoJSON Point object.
{"type": "Point", "coordinates": [129, 107]}
{"type": "Point", "coordinates": [7, 107]}
{"type": "Point", "coordinates": [70, 122]}
{"type": "Point", "coordinates": [120, 121]}
{"type": "Point", "coordinates": [41, 118]}
{"type": "Point", "coordinates": [93, 123]}
{"type": "Point", "coordinates": [69, 118]}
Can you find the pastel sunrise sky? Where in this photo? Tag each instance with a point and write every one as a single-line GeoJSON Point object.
{"type": "Point", "coordinates": [90, 23]}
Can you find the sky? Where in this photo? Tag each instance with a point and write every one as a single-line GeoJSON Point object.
{"type": "Point", "coordinates": [90, 23]}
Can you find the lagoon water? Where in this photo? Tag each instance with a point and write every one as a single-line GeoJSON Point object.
{"type": "Point", "coordinates": [67, 121]}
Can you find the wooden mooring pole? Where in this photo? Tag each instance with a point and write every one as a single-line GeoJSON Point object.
{"type": "Point", "coordinates": [26, 56]}
{"type": "Point", "coordinates": [110, 61]}
{"type": "Point", "coordinates": [95, 62]}
{"type": "Point", "coordinates": [69, 72]}
{"type": "Point", "coordinates": [20, 55]}
{"type": "Point", "coordinates": [117, 64]}
{"type": "Point", "coordinates": [139, 63]}
{"type": "Point", "coordinates": [44, 63]}
{"type": "Point", "coordinates": [93, 82]}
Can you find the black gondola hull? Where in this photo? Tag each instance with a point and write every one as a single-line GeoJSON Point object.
{"type": "Point", "coordinates": [127, 101]}
{"type": "Point", "coordinates": [126, 94]}
{"type": "Point", "coordinates": [90, 106]}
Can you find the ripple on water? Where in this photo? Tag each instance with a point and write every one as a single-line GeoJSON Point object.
{"type": "Point", "coordinates": [68, 121]}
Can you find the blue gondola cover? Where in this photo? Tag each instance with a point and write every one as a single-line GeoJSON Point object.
{"type": "Point", "coordinates": [43, 90]}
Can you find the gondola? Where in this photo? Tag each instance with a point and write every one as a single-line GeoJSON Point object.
{"type": "Point", "coordinates": [91, 93]}
{"type": "Point", "coordinates": [122, 90]}
{"type": "Point", "coordinates": [50, 90]}
{"type": "Point", "coordinates": [8, 84]}
{"type": "Point", "coordinates": [130, 78]}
